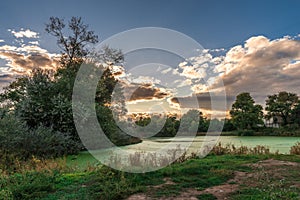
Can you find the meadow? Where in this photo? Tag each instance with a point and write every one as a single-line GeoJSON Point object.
{"type": "Point", "coordinates": [228, 171]}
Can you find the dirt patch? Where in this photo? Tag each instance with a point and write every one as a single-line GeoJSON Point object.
{"type": "Point", "coordinates": [264, 169]}
{"type": "Point", "coordinates": [167, 180]}
{"type": "Point", "coordinates": [273, 163]}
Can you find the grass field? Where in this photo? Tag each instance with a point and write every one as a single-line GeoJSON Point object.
{"type": "Point", "coordinates": [238, 176]}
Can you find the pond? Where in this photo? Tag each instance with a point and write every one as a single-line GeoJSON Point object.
{"type": "Point", "coordinates": [280, 144]}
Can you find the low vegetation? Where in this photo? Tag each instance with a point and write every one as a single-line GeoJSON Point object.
{"type": "Point", "coordinates": [42, 179]}
{"type": "Point", "coordinates": [295, 149]}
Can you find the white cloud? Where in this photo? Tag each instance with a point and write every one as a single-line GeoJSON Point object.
{"type": "Point", "coordinates": [262, 66]}
{"type": "Point", "coordinates": [31, 49]}
{"type": "Point", "coordinates": [166, 70]}
{"type": "Point", "coordinates": [193, 73]}
{"type": "Point", "coordinates": [34, 42]}
{"type": "Point", "coordinates": [217, 50]}
{"type": "Point", "coordinates": [23, 57]}
{"type": "Point", "coordinates": [2, 40]}
{"type": "Point", "coordinates": [8, 48]}
{"type": "Point", "coordinates": [24, 33]}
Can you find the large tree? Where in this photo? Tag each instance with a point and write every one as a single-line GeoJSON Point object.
{"type": "Point", "coordinates": [74, 54]}
{"type": "Point", "coordinates": [245, 113]}
{"type": "Point", "coordinates": [281, 105]}
{"type": "Point", "coordinates": [44, 97]}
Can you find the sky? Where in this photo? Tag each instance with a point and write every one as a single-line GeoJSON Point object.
{"type": "Point", "coordinates": [253, 45]}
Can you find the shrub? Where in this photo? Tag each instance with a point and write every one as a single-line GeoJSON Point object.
{"type": "Point", "coordinates": [295, 149]}
{"type": "Point", "coordinates": [242, 150]}
{"type": "Point", "coordinates": [17, 139]}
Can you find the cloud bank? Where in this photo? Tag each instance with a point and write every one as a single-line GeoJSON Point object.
{"type": "Point", "coordinates": [21, 57]}
{"type": "Point", "coordinates": [260, 65]}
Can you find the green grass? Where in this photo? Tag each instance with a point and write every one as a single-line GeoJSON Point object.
{"type": "Point", "coordinates": [269, 192]}
{"type": "Point", "coordinates": [206, 197]}
{"type": "Point", "coordinates": [104, 183]}
{"type": "Point", "coordinates": [82, 160]}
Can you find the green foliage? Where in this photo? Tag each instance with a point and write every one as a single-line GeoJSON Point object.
{"type": "Point", "coordinates": [32, 185]}
{"type": "Point", "coordinates": [190, 121]}
{"type": "Point", "coordinates": [245, 132]}
{"type": "Point", "coordinates": [35, 106]}
{"type": "Point", "coordinates": [215, 125]}
{"type": "Point", "coordinates": [269, 192]}
{"type": "Point", "coordinates": [43, 99]}
{"type": "Point", "coordinates": [106, 183]}
{"type": "Point", "coordinates": [244, 113]}
{"type": "Point", "coordinates": [281, 131]}
{"type": "Point", "coordinates": [40, 102]}
{"type": "Point", "coordinates": [19, 140]}
{"type": "Point", "coordinates": [206, 197]}
{"type": "Point", "coordinates": [170, 127]}
{"type": "Point", "coordinates": [228, 125]}
{"type": "Point", "coordinates": [295, 116]}
{"type": "Point", "coordinates": [281, 105]}
{"type": "Point", "coordinates": [110, 128]}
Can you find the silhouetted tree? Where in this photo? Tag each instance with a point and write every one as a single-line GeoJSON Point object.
{"type": "Point", "coordinates": [73, 45]}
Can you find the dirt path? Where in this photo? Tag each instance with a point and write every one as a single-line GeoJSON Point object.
{"type": "Point", "coordinates": [267, 168]}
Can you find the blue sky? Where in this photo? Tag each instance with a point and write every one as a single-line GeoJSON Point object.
{"type": "Point", "coordinates": [260, 38]}
{"type": "Point", "coordinates": [214, 24]}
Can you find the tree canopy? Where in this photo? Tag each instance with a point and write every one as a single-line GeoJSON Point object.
{"type": "Point", "coordinates": [281, 105]}
{"type": "Point", "coordinates": [244, 113]}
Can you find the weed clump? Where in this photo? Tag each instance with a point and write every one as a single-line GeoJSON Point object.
{"type": "Point", "coordinates": [295, 149]}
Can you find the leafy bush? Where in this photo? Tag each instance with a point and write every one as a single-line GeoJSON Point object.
{"type": "Point", "coordinates": [110, 128]}
{"type": "Point", "coordinates": [281, 131]}
{"type": "Point", "coordinates": [17, 139]}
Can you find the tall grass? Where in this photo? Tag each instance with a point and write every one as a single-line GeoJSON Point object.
{"type": "Point", "coordinates": [220, 149]}
{"type": "Point", "coordinates": [295, 149]}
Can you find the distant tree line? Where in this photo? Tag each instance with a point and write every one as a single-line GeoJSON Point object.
{"type": "Point", "coordinates": [246, 117]}
{"type": "Point", "coordinates": [191, 122]}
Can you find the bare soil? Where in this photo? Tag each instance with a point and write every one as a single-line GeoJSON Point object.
{"type": "Point", "coordinates": [263, 170]}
